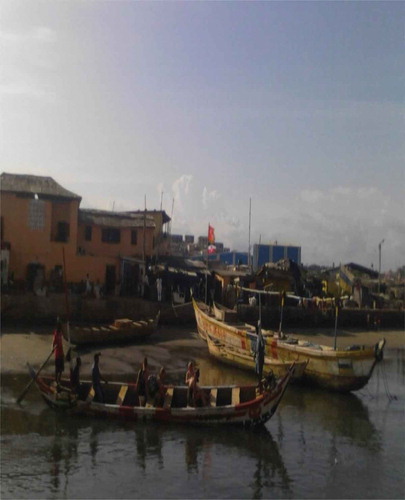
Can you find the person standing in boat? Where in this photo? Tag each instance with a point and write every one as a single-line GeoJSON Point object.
{"type": "Point", "coordinates": [259, 355]}
{"type": "Point", "coordinates": [156, 387]}
{"type": "Point", "coordinates": [75, 375]}
{"type": "Point", "coordinates": [96, 378]}
{"type": "Point", "coordinates": [142, 382]}
{"type": "Point", "coordinates": [57, 346]}
{"type": "Point", "coordinates": [196, 396]}
{"type": "Point", "coordinates": [190, 372]}
{"type": "Point", "coordinates": [159, 288]}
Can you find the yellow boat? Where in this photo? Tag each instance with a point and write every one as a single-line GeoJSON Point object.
{"type": "Point", "coordinates": [244, 359]}
{"type": "Point", "coordinates": [342, 370]}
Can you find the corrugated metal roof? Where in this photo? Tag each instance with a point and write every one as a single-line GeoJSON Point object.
{"type": "Point", "coordinates": [165, 217]}
{"type": "Point", "coordinates": [231, 273]}
{"type": "Point", "coordinates": [35, 184]}
{"type": "Point", "coordinates": [114, 219]}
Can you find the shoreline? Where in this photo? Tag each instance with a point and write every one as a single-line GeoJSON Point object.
{"type": "Point", "coordinates": [171, 347]}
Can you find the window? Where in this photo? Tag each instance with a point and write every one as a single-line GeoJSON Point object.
{"type": "Point", "coordinates": [62, 233]}
{"type": "Point", "coordinates": [110, 235]}
{"type": "Point", "coordinates": [88, 232]}
{"type": "Point", "coordinates": [36, 215]}
{"type": "Point", "coordinates": [134, 237]}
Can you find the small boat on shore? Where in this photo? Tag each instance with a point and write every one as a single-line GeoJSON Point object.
{"type": "Point", "coordinates": [244, 359]}
{"type": "Point", "coordinates": [242, 405]}
{"type": "Point", "coordinates": [122, 330]}
{"type": "Point", "coordinates": [224, 313]}
{"type": "Point", "coordinates": [342, 370]}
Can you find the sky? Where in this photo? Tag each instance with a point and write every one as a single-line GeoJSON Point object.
{"type": "Point", "coordinates": [207, 108]}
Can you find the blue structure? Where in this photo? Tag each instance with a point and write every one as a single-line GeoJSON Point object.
{"type": "Point", "coordinates": [262, 254]}
{"type": "Point", "coordinates": [229, 258]}
{"type": "Point", "coordinates": [234, 258]}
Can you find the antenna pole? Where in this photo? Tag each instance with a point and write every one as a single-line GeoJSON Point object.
{"type": "Point", "coordinates": [250, 217]}
{"type": "Point", "coordinates": [144, 232]}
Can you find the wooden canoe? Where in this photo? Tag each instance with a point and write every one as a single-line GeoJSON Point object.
{"type": "Point", "coordinates": [242, 405]}
{"type": "Point", "coordinates": [223, 313]}
{"type": "Point", "coordinates": [341, 370]}
{"type": "Point", "coordinates": [123, 330]}
{"type": "Point", "coordinates": [244, 359]}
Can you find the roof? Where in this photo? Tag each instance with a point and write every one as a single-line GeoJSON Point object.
{"type": "Point", "coordinates": [44, 187]}
{"type": "Point", "coordinates": [181, 263]}
{"type": "Point", "coordinates": [165, 217]}
{"type": "Point", "coordinates": [358, 269]}
{"type": "Point", "coordinates": [114, 219]}
{"type": "Point", "coordinates": [233, 273]}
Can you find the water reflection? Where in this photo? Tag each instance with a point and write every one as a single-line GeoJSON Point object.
{"type": "Point", "coordinates": [316, 443]}
{"type": "Point", "coordinates": [148, 441]}
{"type": "Point", "coordinates": [343, 415]}
{"type": "Point", "coordinates": [259, 446]}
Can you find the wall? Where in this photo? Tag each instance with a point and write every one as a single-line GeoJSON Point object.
{"type": "Point", "coordinates": [125, 248]}
{"type": "Point", "coordinates": [29, 233]}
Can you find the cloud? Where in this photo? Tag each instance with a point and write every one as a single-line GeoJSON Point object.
{"type": "Point", "coordinates": [344, 224]}
{"type": "Point", "coordinates": [27, 59]}
{"type": "Point", "coordinates": [180, 190]}
{"type": "Point", "coordinates": [209, 197]}
{"type": "Point", "coordinates": [37, 34]}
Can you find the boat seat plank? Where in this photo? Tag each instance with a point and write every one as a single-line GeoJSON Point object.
{"type": "Point", "coordinates": [213, 397]}
{"type": "Point", "coordinates": [122, 394]}
{"type": "Point", "coordinates": [168, 398]}
{"type": "Point", "coordinates": [235, 396]}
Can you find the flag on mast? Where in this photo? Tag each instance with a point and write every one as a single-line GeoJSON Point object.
{"type": "Point", "coordinates": [211, 239]}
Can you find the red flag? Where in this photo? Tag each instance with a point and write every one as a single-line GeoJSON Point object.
{"type": "Point", "coordinates": [211, 235]}
{"type": "Point", "coordinates": [211, 239]}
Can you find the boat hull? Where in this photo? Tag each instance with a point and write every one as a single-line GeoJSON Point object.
{"type": "Point", "coordinates": [245, 360]}
{"type": "Point", "coordinates": [130, 331]}
{"type": "Point", "coordinates": [339, 370]}
{"type": "Point", "coordinates": [241, 409]}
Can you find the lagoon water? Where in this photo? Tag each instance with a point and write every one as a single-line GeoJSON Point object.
{"type": "Point", "coordinates": [317, 445]}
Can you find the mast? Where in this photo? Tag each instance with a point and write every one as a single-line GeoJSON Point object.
{"type": "Point", "coordinates": [144, 231]}
{"type": "Point", "coordinates": [206, 274]}
{"type": "Point", "coordinates": [250, 217]}
{"type": "Point", "coordinates": [170, 232]}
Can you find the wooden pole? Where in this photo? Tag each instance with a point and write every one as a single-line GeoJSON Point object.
{"type": "Point", "coordinates": [250, 218]}
{"type": "Point", "coordinates": [24, 392]}
{"type": "Point", "coordinates": [144, 234]}
{"type": "Point", "coordinates": [67, 308]}
{"type": "Point", "coordinates": [206, 274]}
{"type": "Point", "coordinates": [336, 319]}
{"type": "Point", "coordinates": [281, 314]}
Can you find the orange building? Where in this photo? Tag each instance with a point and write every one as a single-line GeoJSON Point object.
{"type": "Point", "coordinates": [42, 224]}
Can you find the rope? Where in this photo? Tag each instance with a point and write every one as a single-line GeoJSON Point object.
{"type": "Point", "coordinates": [385, 381]}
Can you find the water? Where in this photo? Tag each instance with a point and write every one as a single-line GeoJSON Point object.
{"type": "Point", "coordinates": [317, 445]}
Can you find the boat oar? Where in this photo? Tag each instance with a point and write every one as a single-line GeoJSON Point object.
{"type": "Point", "coordinates": [24, 392]}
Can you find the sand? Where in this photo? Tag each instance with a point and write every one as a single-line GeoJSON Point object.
{"type": "Point", "coordinates": [171, 347]}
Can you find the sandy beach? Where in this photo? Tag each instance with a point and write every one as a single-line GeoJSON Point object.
{"type": "Point", "coordinates": [171, 347]}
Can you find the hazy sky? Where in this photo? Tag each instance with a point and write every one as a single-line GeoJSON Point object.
{"type": "Point", "coordinates": [296, 105]}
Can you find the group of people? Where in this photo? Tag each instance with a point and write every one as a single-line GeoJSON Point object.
{"type": "Point", "coordinates": [97, 378]}
{"type": "Point", "coordinates": [149, 387]}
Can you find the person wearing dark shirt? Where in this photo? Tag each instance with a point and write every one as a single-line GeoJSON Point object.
{"type": "Point", "coordinates": [142, 383]}
{"type": "Point", "coordinates": [75, 375]}
{"type": "Point", "coordinates": [96, 378]}
{"type": "Point", "coordinates": [259, 355]}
